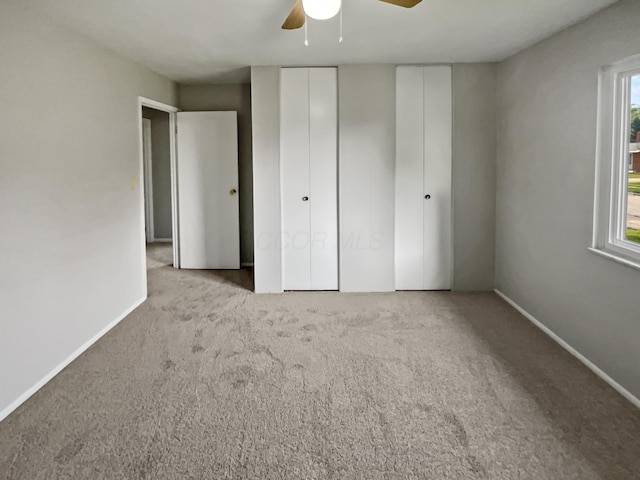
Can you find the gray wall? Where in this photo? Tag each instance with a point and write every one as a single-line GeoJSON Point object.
{"type": "Point", "coordinates": [72, 226]}
{"type": "Point", "coordinates": [547, 99]}
{"type": "Point", "coordinates": [160, 172]}
{"type": "Point", "coordinates": [367, 120]}
{"type": "Point", "coordinates": [194, 98]}
{"type": "Point", "coordinates": [474, 175]}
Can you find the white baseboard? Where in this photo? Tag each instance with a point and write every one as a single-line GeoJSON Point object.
{"type": "Point", "coordinates": [4, 413]}
{"type": "Point", "coordinates": [246, 265]}
{"type": "Point", "coordinates": [588, 363]}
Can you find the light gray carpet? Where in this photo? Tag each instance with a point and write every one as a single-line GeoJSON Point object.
{"type": "Point", "coordinates": [209, 381]}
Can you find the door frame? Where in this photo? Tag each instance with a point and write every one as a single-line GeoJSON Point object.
{"type": "Point", "coordinates": [171, 110]}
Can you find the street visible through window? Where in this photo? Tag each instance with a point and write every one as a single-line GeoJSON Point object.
{"type": "Point", "coordinates": [633, 186]}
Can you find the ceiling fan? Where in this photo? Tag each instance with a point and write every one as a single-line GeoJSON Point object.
{"type": "Point", "coordinates": [325, 9]}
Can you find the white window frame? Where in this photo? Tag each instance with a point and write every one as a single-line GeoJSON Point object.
{"type": "Point", "coordinates": [612, 161]}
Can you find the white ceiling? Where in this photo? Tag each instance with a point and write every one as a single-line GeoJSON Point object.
{"type": "Point", "coordinates": [198, 41]}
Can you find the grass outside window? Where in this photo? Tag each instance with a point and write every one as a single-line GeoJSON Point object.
{"type": "Point", "coordinates": [634, 186]}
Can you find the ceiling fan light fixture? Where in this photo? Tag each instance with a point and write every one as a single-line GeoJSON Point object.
{"type": "Point", "coordinates": [321, 9]}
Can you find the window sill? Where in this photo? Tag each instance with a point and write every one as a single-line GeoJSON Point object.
{"type": "Point", "coordinates": [616, 257]}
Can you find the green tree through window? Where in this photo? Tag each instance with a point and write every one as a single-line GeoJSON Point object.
{"type": "Point", "coordinates": [635, 122]}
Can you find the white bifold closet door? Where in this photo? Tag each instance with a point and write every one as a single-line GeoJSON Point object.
{"type": "Point", "coordinates": [309, 151]}
{"type": "Point", "coordinates": [208, 209]}
{"type": "Point", "coordinates": [424, 120]}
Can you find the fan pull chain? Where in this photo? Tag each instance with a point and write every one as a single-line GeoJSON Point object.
{"type": "Point", "coordinates": [306, 32]}
{"type": "Point", "coordinates": [340, 39]}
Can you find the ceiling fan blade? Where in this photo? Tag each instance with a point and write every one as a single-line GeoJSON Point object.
{"type": "Point", "coordinates": [403, 3]}
{"type": "Point", "coordinates": [296, 18]}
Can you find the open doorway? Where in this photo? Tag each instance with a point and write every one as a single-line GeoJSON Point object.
{"type": "Point", "coordinates": [158, 180]}
{"type": "Point", "coordinates": [157, 176]}
{"type": "Point", "coordinates": [156, 148]}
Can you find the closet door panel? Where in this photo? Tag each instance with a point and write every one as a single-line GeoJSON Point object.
{"type": "Point", "coordinates": [294, 121]}
{"type": "Point", "coordinates": [323, 165]}
{"type": "Point", "coordinates": [409, 194]}
{"type": "Point", "coordinates": [267, 226]}
{"type": "Point", "coordinates": [438, 123]}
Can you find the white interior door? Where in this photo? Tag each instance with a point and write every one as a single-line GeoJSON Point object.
{"type": "Point", "coordinates": [308, 149]}
{"type": "Point", "coordinates": [409, 244]}
{"type": "Point", "coordinates": [294, 160]}
{"type": "Point", "coordinates": [209, 223]}
{"type": "Point", "coordinates": [323, 177]}
{"type": "Point", "coordinates": [423, 178]}
{"type": "Point", "coordinates": [438, 156]}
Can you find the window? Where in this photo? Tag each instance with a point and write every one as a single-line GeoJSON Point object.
{"type": "Point", "coordinates": [616, 232]}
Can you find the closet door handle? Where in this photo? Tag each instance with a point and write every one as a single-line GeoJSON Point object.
{"type": "Point", "coordinates": [428, 197]}
{"type": "Point", "coordinates": [305, 199]}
